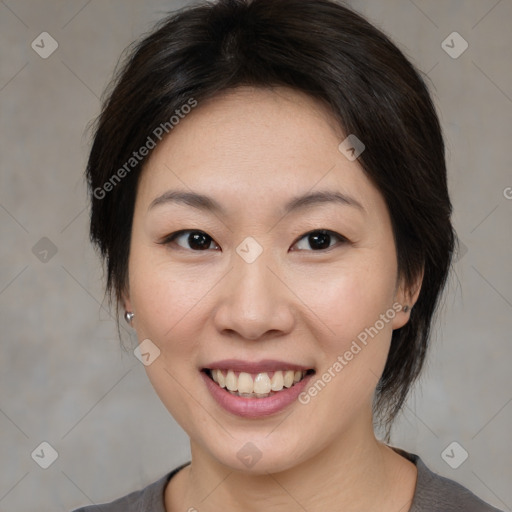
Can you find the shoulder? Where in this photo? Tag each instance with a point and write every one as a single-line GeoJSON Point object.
{"type": "Point", "coordinates": [150, 498]}
{"type": "Point", "coordinates": [435, 493]}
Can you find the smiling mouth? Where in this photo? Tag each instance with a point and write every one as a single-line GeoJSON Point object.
{"type": "Point", "coordinates": [256, 385]}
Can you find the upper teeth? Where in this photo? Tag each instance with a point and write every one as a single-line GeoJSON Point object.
{"type": "Point", "coordinates": [261, 384]}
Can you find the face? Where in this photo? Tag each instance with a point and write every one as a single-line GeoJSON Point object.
{"type": "Point", "coordinates": [271, 288]}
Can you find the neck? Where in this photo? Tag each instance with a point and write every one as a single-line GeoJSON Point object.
{"type": "Point", "coordinates": [357, 473]}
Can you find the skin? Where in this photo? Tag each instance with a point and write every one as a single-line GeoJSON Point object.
{"type": "Point", "coordinates": [252, 150]}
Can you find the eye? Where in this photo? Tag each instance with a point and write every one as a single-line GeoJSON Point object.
{"type": "Point", "coordinates": [319, 240]}
{"type": "Point", "coordinates": [190, 239]}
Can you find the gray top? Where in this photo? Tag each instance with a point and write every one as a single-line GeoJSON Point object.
{"type": "Point", "coordinates": [433, 493]}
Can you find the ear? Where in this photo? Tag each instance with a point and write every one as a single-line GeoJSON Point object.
{"type": "Point", "coordinates": [406, 296]}
{"type": "Point", "coordinates": [125, 301]}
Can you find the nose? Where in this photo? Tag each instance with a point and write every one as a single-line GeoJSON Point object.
{"type": "Point", "coordinates": [255, 303]}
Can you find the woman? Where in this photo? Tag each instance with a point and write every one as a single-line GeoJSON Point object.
{"type": "Point", "coordinates": [269, 193]}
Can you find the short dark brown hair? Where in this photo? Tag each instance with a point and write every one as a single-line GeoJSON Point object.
{"type": "Point", "coordinates": [332, 54]}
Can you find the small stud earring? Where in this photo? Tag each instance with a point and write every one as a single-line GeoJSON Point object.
{"type": "Point", "coordinates": [406, 308]}
{"type": "Point", "coordinates": [128, 316]}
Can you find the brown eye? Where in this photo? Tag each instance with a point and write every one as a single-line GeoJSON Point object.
{"type": "Point", "coordinates": [189, 239]}
{"type": "Point", "coordinates": [320, 240]}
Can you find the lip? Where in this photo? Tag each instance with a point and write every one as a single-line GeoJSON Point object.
{"type": "Point", "coordinates": [255, 407]}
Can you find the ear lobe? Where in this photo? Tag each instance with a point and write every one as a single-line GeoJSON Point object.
{"type": "Point", "coordinates": [407, 297]}
{"type": "Point", "coordinates": [128, 310]}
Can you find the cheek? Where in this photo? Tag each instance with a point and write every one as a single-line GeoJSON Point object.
{"type": "Point", "coordinates": [350, 298]}
{"type": "Point", "coordinates": [164, 296]}
{"type": "Point", "coordinates": [356, 306]}
{"type": "Point", "coordinates": [166, 301]}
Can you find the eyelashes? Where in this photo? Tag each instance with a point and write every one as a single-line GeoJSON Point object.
{"type": "Point", "coordinates": [319, 237]}
{"type": "Point", "coordinates": [200, 239]}
{"type": "Point", "coordinates": [319, 240]}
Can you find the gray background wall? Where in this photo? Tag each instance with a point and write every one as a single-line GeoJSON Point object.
{"type": "Point", "coordinates": [64, 378]}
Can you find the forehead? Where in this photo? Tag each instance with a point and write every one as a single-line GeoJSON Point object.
{"type": "Point", "coordinates": [255, 146]}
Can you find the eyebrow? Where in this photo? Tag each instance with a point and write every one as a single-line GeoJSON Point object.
{"type": "Point", "coordinates": [208, 204]}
